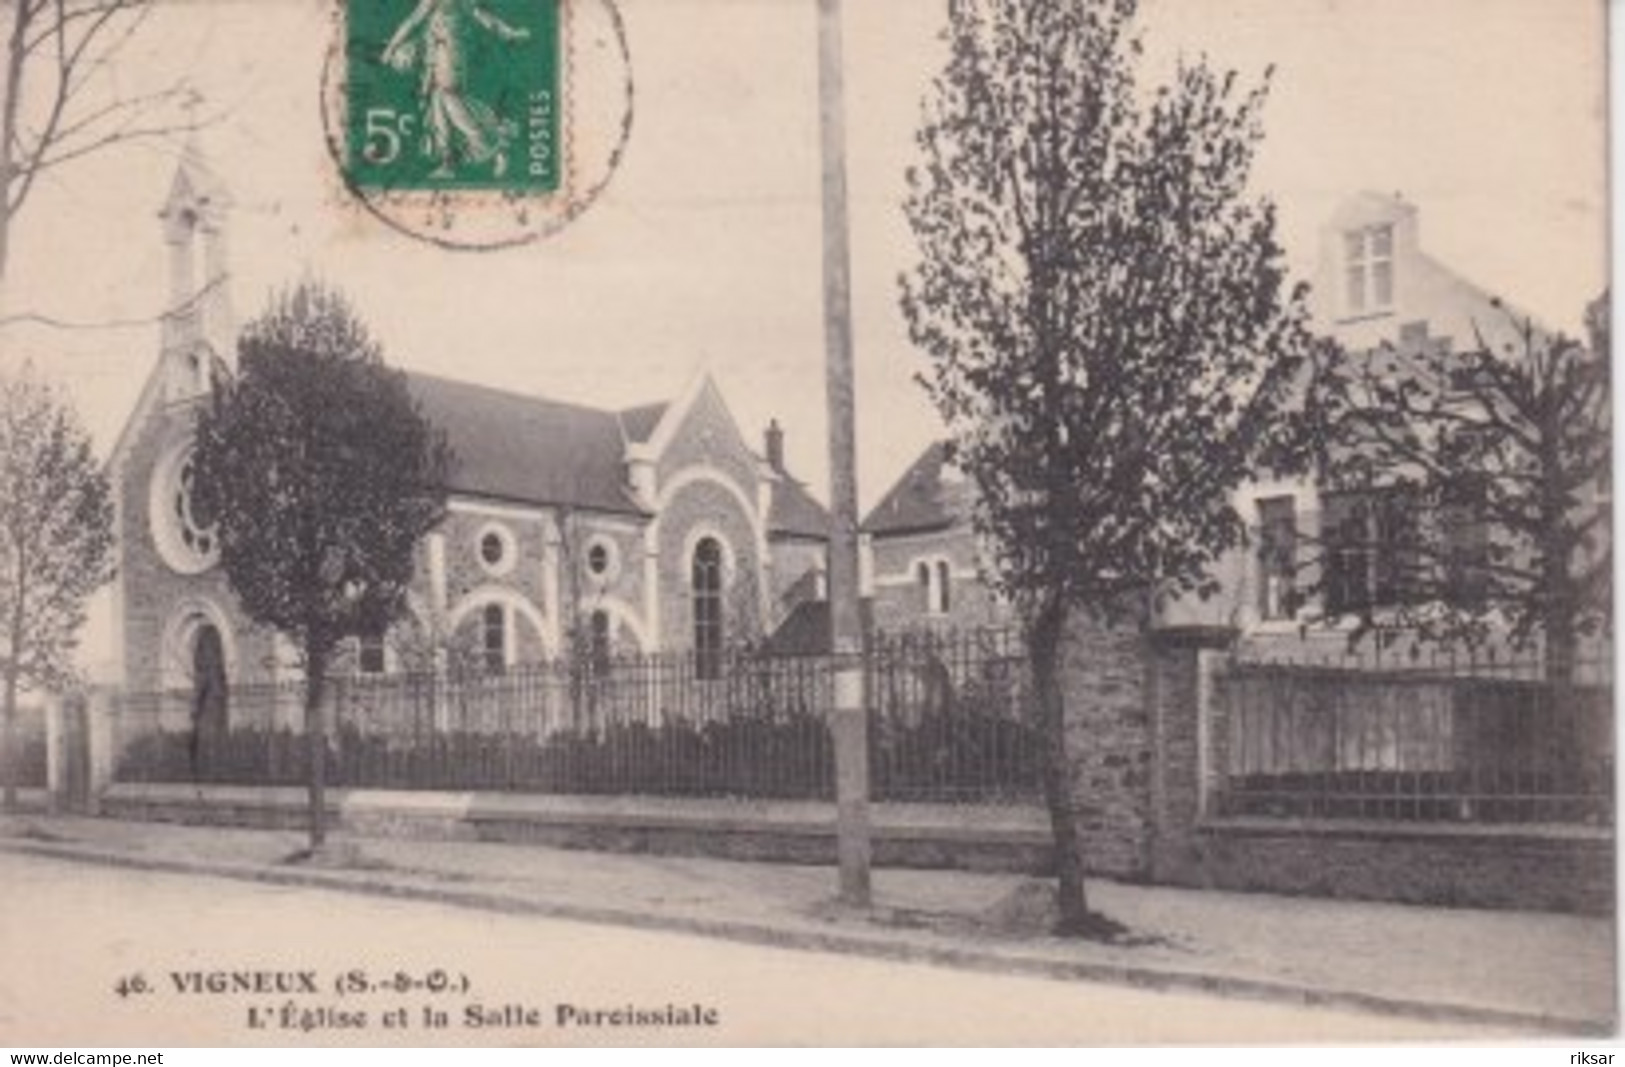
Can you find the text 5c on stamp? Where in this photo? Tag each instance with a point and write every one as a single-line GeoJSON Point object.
{"type": "Point", "coordinates": [453, 95]}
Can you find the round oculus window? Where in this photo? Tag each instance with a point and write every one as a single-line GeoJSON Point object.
{"type": "Point", "coordinates": [495, 549]}
{"type": "Point", "coordinates": [603, 561]}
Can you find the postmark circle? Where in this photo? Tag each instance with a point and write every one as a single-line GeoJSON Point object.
{"type": "Point", "coordinates": [452, 148]}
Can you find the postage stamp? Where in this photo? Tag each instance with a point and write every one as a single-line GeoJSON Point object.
{"type": "Point", "coordinates": [453, 94]}
{"type": "Point", "coordinates": [476, 125]}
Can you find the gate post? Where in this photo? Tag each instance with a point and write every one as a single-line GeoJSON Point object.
{"type": "Point", "coordinates": [56, 752]}
{"type": "Point", "coordinates": [100, 733]}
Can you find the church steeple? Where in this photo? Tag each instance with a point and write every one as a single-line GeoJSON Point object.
{"type": "Point", "coordinates": [198, 322]}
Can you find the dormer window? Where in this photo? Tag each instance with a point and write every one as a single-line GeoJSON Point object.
{"type": "Point", "coordinates": [1369, 253]}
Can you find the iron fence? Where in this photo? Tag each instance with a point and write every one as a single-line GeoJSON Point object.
{"type": "Point", "coordinates": [949, 724]}
{"type": "Point", "coordinates": [950, 717]}
{"type": "Point", "coordinates": [25, 764]}
{"type": "Point", "coordinates": [1468, 739]}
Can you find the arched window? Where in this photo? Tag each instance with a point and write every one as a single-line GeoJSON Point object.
{"type": "Point", "coordinates": [707, 585]}
{"type": "Point", "coordinates": [934, 578]}
{"type": "Point", "coordinates": [494, 638]}
{"type": "Point", "coordinates": [599, 649]}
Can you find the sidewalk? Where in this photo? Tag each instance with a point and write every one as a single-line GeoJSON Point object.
{"type": "Point", "coordinates": [1520, 971]}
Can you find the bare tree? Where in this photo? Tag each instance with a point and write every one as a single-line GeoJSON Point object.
{"type": "Point", "coordinates": [1481, 484]}
{"type": "Point", "coordinates": [1112, 338]}
{"type": "Point", "coordinates": [56, 544]}
{"type": "Point", "coordinates": [61, 99]}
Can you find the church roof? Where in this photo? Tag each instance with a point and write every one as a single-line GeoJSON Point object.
{"type": "Point", "coordinates": [925, 498]}
{"type": "Point", "coordinates": [511, 446]}
{"type": "Point", "coordinates": [795, 512]}
{"type": "Point", "coordinates": [640, 422]}
{"type": "Point", "coordinates": [532, 450]}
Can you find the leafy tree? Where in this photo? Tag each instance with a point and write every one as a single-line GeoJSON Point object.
{"type": "Point", "coordinates": [1495, 465]}
{"type": "Point", "coordinates": [60, 96]}
{"type": "Point", "coordinates": [1110, 330]}
{"type": "Point", "coordinates": [56, 544]}
{"type": "Point", "coordinates": [323, 475]}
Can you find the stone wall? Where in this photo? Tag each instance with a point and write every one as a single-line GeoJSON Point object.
{"type": "Point", "coordinates": [1108, 730]}
{"type": "Point", "coordinates": [1547, 868]}
{"type": "Point", "coordinates": [900, 599]}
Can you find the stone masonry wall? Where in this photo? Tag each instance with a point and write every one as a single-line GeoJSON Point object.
{"type": "Point", "coordinates": [899, 598]}
{"type": "Point", "coordinates": [153, 597]}
{"type": "Point", "coordinates": [1104, 679]}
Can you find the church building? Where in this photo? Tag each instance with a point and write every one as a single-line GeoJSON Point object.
{"type": "Point", "coordinates": [654, 528]}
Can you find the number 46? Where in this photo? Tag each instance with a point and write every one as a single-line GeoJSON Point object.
{"type": "Point", "coordinates": [386, 129]}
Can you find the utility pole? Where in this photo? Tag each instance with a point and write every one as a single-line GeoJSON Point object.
{"type": "Point", "coordinates": [849, 719]}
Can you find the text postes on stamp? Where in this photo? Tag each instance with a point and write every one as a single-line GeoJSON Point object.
{"type": "Point", "coordinates": [453, 94]}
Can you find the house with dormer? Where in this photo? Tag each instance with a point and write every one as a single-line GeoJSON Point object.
{"type": "Point", "coordinates": [1320, 552]}
{"type": "Point", "coordinates": [1375, 288]}
{"type": "Point", "coordinates": [653, 528]}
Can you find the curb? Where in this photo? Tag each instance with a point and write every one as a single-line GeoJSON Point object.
{"type": "Point", "coordinates": [873, 947]}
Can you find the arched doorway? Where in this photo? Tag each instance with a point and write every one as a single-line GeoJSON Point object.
{"type": "Point", "coordinates": [210, 697]}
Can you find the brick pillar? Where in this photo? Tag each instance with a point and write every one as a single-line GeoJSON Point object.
{"type": "Point", "coordinates": [101, 740]}
{"type": "Point", "coordinates": [1105, 679]}
{"type": "Point", "coordinates": [1181, 704]}
{"type": "Point", "coordinates": [56, 752]}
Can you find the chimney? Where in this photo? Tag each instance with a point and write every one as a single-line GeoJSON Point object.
{"type": "Point", "coordinates": [775, 445]}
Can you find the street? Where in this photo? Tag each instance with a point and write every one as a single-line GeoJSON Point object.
{"type": "Point", "coordinates": [98, 956]}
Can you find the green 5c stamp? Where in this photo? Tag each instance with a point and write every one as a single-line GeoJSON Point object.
{"type": "Point", "coordinates": [448, 95]}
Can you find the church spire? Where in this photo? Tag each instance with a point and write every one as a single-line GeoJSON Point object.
{"type": "Point", "coordinates": [198, 321]}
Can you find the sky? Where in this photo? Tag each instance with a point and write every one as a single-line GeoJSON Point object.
{"type": "Point", "coordinates": [703, 253]}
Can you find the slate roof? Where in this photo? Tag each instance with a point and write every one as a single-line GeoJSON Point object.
{"type": "Point", "coordinates": [807, 630]}
{"type": "Point", "coordinates": [522, 448]}
{"type": "Point", "coordinates": [531, 450]}
{"type": "Point", "coordinates": [922, 500]}
{"type": "Point", "coordinates": [640, 422]}
{"type": "Point", "coordinates": [795, 512]}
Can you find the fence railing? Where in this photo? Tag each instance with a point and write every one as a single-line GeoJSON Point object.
{"type": "Point", "coordinates": [949, 724]}
{"type": "Point", "coordinates": [1438, 741]}
{"type": "Point", "coordinates": [951, 717]}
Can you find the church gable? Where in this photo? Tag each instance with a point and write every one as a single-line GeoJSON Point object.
{"type": "Point", "coordinates": [170, 588]}
{"type": "Point", "coordinates": [699, 432]}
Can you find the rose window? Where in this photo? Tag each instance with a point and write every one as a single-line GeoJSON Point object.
{"type": "Point", "coordinates": [187, 540]}
{"type": "Point", "coordinates": [198, 538]}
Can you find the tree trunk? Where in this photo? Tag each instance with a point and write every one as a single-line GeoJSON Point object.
{"type": "Point", "coordinates": [9, 756]}
{"type": "Point", "coordinates": [1568, 730]}
{"type": "Point", "coordinates": [316, 741]}
{"type": "Point", "coordinates": [10, 105]}
{"type": "Point", "coordinates": [1044, 652]}
{"type": "Point", "coordinates": [8, 743]}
